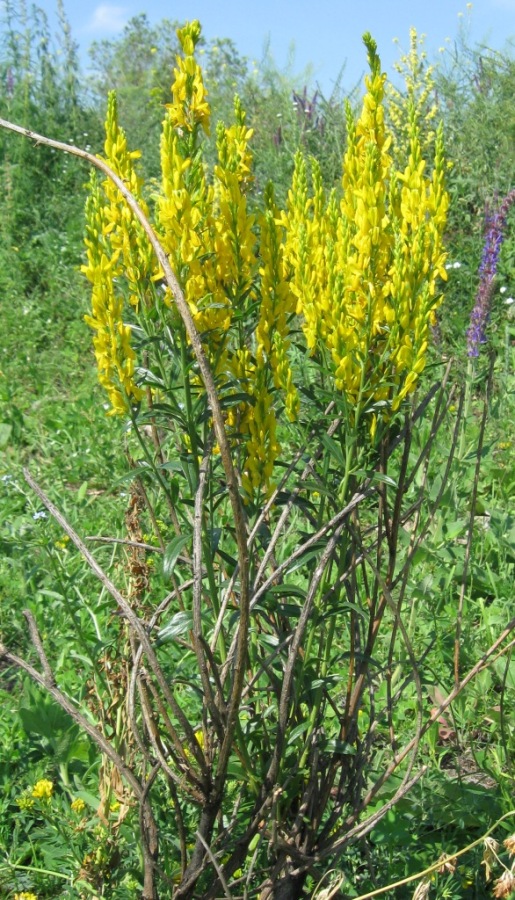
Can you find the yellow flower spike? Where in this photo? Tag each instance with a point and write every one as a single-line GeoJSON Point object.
{"type": "Point", "coordinates": [112, 339]}
{"type": "Point", "coordinates": [235, 240]}
{"type": "Point", "coordinates": [364, 270]}
{"type": "Point", "coordinates": [283, 377]}
{"type": "Point", "coordinates": [189, 36]}
{"type": "Point", "coordinates": [117, 248]}
{"type": "Point", "coordinates": [190, 107]}
{"type": "Point", "coordinates": [187, 213]}
{"type": "Point", "coordinates": [262, 448]}
{"type": "Point", "coordinates": [278, 303]}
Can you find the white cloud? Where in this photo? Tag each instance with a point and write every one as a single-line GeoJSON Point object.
{"type": "Point", "coordinates": [108, 19]}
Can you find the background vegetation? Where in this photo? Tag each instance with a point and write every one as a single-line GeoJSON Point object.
{"type": "Point", "coordinates": [79, 839]}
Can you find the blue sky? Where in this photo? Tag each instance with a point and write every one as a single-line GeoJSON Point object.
{"type": "Point", "coordinates": [324, 33]}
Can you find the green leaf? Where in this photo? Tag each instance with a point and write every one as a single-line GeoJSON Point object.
{"type": "Point", "coordinates": [235, 770]}
{"type": "Point", "coordinates": [148, 377]}
{"type": "Point", "coordinates": [384, 479]}
{"type": "Point", "coordinates": [289, 611]}
{"type": "Point", "coordinates": [288, 590]}
{"type": "Point", "coordinates": [5, 434]}
{"type": "Point", "coordinates": [451, 530]}
{"type": "Point", "coordinates": [341, 748]}
{"type": "Point", "coordinates": [43, 592]}
{"type": "Point", "coordinates": [334, 449]}
{"type": "Point", "coordinates": [230, 560]}
{"type": "Point", "coordinates": [300, 729]}
{"type": "Point", "coordinates": [172, 552]}
{"type": "Point", "coordinates": [313, 553]}
{"type": "Point", "coordinates": [90, 799]}
{"type": "Point", "coordinates": [235, 399]}
{"type": "Point", "coordinates": [180, 623]}
{"type": "Point", "coordinates": [172, 466]}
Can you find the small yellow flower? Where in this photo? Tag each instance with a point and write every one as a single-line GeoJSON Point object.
{"type": "Point", "coordinates": [25, 895]}
{"type": "Point", "coordinates": [78, 805]}
{"type": "Point", "coordinates": [43, 789]}
{"type": "Point", "coordinates": [199, 737]}
{"type": "Point", "coordinates": [25, 802]}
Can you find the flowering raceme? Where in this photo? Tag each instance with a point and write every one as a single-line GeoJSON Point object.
{"type": "Point", "coordinates": [190, 106]}
{"type": "Point", "coordinates": [116, 244]}
{"type": "Point", "coordinates": [364, 268]}
{"type": "Point", "coordinates": [476, 334]}
{"type": "Point", "coordinates": [354, 272]}
{"type": "Point", "coordinates": [206, 228]}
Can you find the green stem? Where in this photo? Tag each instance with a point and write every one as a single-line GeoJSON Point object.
{"type": "Point", "coordinates": [149, 458]}
{"type": "Point", "coordinates": [325, 645]}
{"type": "Point", "coordinates": [466, 409]}
{"type": "Point", "coordinates": [192, 433]}
{"type": "Point", "coordinates": [37, 871]}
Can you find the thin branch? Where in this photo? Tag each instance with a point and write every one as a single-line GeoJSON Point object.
{"type": "Point", "coordinates": [36, 640]}
{"type": "Point", "coordinates": [219, 872]}
{"type": "Point", "coordinates": [49, 684]}
{"type": "Point", "coordinates": [126, 543]}
{"type": "Point", "coordinates": [198, 643]}
{"type": "Point", "coordinates": [125, 608]}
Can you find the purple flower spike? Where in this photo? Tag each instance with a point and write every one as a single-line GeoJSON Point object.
{"type": "Point", "coordinates": [476, 334]}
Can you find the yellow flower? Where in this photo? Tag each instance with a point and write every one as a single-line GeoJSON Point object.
{"type": "Point", "coordinates": [199, 737]}
{"type": "Point", "coordinates": [190, 106]}
{"type": "Point", "coordinates": [25, 895]}
{"type": "Point", "coordinates": [78, 805]}
{"type": "Point", "coordinates": [43, 789]}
